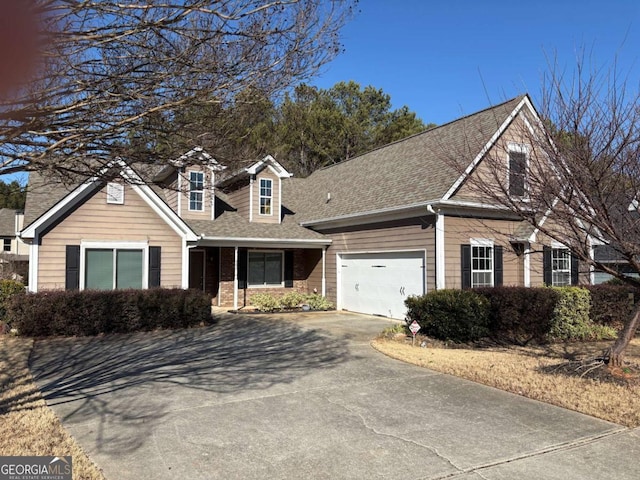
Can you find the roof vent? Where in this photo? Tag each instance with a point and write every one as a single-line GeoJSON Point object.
{"type": "Point", "coordinates": [328, 197]}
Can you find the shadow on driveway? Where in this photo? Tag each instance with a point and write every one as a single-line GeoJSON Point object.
{"type": "Point", "coordinates": [134, 380]}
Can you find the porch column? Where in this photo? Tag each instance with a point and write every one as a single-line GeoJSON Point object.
{"type": "Point", "coordinates": [235, 278]}
{"type": "Point", "coordinates": [324, 265]}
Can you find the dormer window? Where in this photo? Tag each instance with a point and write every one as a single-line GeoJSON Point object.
{"type": "Point", "coordinates": [517, 170]}
{"type": "Point", "coordinates": [196, 191]}
{"type": "Point", "coordinates": [266, 189]}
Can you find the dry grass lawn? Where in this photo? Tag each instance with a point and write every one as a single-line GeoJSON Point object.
{"type": "Point", "coordinates": [27, 425]}
{"type": "Point", "coordinates": [562, 375]}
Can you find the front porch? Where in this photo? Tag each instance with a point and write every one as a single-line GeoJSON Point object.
{"type": "Point", "coordinates": [232, 274]}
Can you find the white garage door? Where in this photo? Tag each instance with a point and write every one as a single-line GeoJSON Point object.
{"type": "Point", "coordinates": [378, 283]}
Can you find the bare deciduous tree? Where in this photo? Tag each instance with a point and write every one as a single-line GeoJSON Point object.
{"type": "Point", "coordinates": [582, 178]}
{"type": "Point", "coordinates": [110, 68]}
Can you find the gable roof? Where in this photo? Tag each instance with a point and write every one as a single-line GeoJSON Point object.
{"type": "Point", "coordinates": [254, 169]}
{"type": "Point", "coordinates": [411, 172]}
{"type": "Point", "coordinates": [64, 198]}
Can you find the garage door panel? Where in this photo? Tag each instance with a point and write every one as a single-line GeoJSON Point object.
{"type": "Point", "coordinates": [378, 283]}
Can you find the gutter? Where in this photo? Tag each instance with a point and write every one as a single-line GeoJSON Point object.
{"type": "Point", "coordinates": [431, 206]}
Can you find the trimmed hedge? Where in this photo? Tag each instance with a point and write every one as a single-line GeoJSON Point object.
{"type": "Point", "coordinates": [453, 315]}
{"type": "Point", "coordinates": [8, 289]}
{"type": "Point", "coordinates": [612, 305]}
{"type": "Point", "coordinates": [92, 312]}
{"type": "Point", "coordinates": [519, 315]}
{"type": "Point", "coordinates": [514, 315]}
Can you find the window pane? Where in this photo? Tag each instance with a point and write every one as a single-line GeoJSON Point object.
{"type": "Point", "coordinates": [195, 201]}
{"type": "Point", "coordinates": [265, 268]}
{"type": "Point", "coordinates": [129, 269]}
{"type": "Point", "coordinates": [265, 206]}
{"type": "Point", "coordinates": [265, 188]}
{"type": "Point", "coordinates": [196, 180]}
{"type": "Point", "coordinates": [99, 269]}
{"type": "Point", "coordinates": [273, 268]}
{"type": "Point", "coordinates": [256, 268]}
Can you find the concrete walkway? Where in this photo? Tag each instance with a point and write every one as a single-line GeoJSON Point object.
{"type": "Point", "coordinates": [306, 397]}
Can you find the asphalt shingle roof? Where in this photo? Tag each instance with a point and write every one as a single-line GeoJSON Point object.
{"type": "Point", "coordinates": [415, 170]}
{"type": "Point", "coordinates": [43, 193]}
{"type": "Point", "coordinates": [232, 225]}
{"type": "Point", "coordinates": [7, 222]}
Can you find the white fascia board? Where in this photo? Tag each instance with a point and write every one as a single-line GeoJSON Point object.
{"type": "Point", "coordinates": [277, 168]}
{"type": "Point", "coordinates": [264, 242]}
{"type": "Point", "coordinates": [452, 190]}
{"type": "Point", "coordinates": [361, 218]}
{"type": "Point", "coordinates": [397, 213]}
{"type": "Point", "coordinates": [201, 152]}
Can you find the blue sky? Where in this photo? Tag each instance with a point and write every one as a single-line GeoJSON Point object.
{"type": "Point", "coordinates": [444, 59]}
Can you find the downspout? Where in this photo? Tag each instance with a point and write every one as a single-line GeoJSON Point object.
{"type": "Point", "coordinates": [251, 198]}
{"type": "Point", "coordinates": [33, 264]}
{"type": "Point", "coordinates": [179, 187]}
{"type": "Point", "coordinates": [440, 254]}
{"type": "Point", "coordinates": [592, 270]}
{"type": "Point", "coordinates": [527, 265]}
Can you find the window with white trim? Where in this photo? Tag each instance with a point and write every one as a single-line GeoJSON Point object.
{"type": "Point", "coordinates": [518, 165]}
{"type": "Point", "coordinates": [560, 267]}
{"type": "Point", "coordinates": [196, 191]}
{"type": "Point", "coordinates": [266, 196]}
{"type": "Point", "coordinates": [481, 265]}
{"type": "Point", "coordinates": [111, 268]}
{"type": "Point", "coordinates": [265, 268]}
{"type": "Point", "coordinates": [6, 244]}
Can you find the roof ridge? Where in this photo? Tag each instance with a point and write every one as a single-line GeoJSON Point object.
{"type": "Point", "coordinates": [428, 130]}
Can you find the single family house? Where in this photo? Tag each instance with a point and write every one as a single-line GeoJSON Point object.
{"type": "Point", "coordinates": [368, 232]}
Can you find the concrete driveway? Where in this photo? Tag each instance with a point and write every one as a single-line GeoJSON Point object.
{"type": "Point", "coordinates": [306, 397]}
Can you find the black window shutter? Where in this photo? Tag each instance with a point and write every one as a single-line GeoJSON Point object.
{"type": "Point", "coordinates": [288, 269]}
{"type": "Point", "coordinates": [154, 266]}
{"type": "Point", "coordinates": [546, 265]}
{"type": "Point", "coordinates": [465, 254]}
{"type": "Point", "coordinates": [242, 268]}
{"type": "Point", "coordinates": [72, 267]}
{"type": "Point", "coordinates": [575, 264]}
{"type": "Point", "coordinates": [497, 266]}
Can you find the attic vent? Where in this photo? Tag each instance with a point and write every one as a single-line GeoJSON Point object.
{"type": "Point", "coordinates": [115, 193]}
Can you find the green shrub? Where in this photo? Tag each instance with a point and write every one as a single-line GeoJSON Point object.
{"type": "Point", "coordinates": [519, 315]}
{"type": "Point", "coordinates": [612, 305]}
{"type": "Point", "coordinates": [8, 288]}
{"type": "Point", "coordinates": [292, 299]}
{"type": "Point", "coordinates": [571, 319]}
{"type": "Point", "coordinates": [455, 315]}
{"type": "Point", "coordinates": [91, 312]}
{"type": "Point", "coordinates": [318, 302]}
{"type": "Point", "coordinates": [265, 302]}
